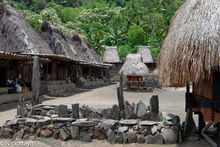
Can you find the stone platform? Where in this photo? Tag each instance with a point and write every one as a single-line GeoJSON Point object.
{"type": "Point", "coordinates": [141, 124]}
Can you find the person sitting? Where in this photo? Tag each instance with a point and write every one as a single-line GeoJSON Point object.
{"type": "Point", "coordinates": [10, 82]}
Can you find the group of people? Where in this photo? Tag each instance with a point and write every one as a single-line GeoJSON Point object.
{"type": "Point", "coordinates": [15, 87]}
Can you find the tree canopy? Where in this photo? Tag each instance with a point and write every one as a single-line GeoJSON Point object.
{"type": "Point", "coordinates": [123, 23]}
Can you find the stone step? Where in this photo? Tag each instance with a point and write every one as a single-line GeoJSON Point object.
{"type": "Point", "coordinates": [61, 87]}
{"type": "Point", "coordinates": [4, 90]}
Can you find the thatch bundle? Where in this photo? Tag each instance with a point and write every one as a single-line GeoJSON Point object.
{"type": "Point", "coordinates": [62, 44]}
{"type": "Point", "coordinates": [134, 66]}
{"type": "Point", "coordinates": [111, 55]}
{"type": "Point", "coordinates": [146, 54]}
{"type": "Point", "coordinates": [191, 48]}
{"type": "Point", "coordinates": [17, 35]}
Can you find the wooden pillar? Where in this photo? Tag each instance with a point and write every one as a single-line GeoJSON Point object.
{"type": "Point", "coordinates": [35, 81]}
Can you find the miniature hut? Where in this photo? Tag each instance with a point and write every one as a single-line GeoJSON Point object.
{"type": "Point", "coordinates": [135, 71]}
{"type": "Point", "coordinates": [147, 57]}
{"type": "Point", "coordinates": [190, 54]}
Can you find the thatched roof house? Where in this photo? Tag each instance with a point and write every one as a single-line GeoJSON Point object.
{"type": "Point", "coordinates": [146, 54]}
{"type": "Point", "coordinates": [17, 36]}
{"type": "Point", "coordinates": [134, 66]}
{"type": "Point", "coordinates": [111, 55]}
{"type": "Point", "coordinates": [191, 48]}
{"type": "Point", "coordinates": [63, 44]}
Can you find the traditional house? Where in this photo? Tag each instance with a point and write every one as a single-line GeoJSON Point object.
{"type": "Point", "coordinates": [147, 57]}
{"type": "Point", "coordinates": [111, 57]}
{"type": "Point", "coordinates": [190, 57]}
{"type": "Point", "coordinates": [89, 72]}
{"type": "Point", "coordinates": [19, 42]}
{"type": "Point", "coordinates": [135, 71]}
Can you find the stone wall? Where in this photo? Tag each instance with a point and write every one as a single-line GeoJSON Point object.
{"type": "Point", "coordinates": [142, 124]}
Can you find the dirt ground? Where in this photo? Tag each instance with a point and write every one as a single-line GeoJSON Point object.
{"type": "Point", "coordinates": [171, 100]}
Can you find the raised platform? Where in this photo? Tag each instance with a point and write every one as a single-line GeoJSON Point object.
{"type": "Point", "coordinates": [8, 98]}
{"type": "Point", "coordinates": [56, 88]}
{"type": "Point", "coordinates": [93, 84]}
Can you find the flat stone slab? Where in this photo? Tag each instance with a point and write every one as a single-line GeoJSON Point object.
{"type": "Point", "coordinates": [83, 123]}
{"type": "Point", "coordinates": [109, 123]}
{"type": "Point", "coordinates": [49, 107]}
{"type": "Point", "coordinates": [149, 123]}
{"type": "Point", "coordinates": [129, 122]}
{"type": "Point", "coordinates": [12, 122]}
{"type": "Point", "coordinates": [44, 121]}
{"type": "Point", "coordinates": [62, 119]}
{"type": "Point", "coordinates": [36, 116]}
{"type": "Point", "coordinates": [30, 121]}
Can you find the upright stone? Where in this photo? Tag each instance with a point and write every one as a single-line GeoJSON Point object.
{"type": "Point", "coordinates": [75, 110]}
{"type": "Point", "coordinates": [35, 84]}
{"type": "Point", "coordinates": [111, 136]}
{"type": "Point", "coordinates": [116, 112]}
{"type": "Point", "coordinates": [63, 111]}
{"type": "Point", "coordinates": [154, 104]}
{"type": "Point", "coordinates": [141, 109]}
{"type": "Point", "coordinates": [121, 96]}
{"type": "Point", "coordinates": [74, 132]}
{"type": "Point", "coordinates": [132, 137]}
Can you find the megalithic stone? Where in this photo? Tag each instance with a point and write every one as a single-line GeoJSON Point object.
{"type": "Point", "coordinates": [35, 84]}
{"type": "Point", "coordinates": [154, 104]}
{"type": "Point", "coordinates": [121, 97]}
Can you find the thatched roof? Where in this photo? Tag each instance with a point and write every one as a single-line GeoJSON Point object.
{"type": "Point", "coordinates": [17, 36]}
{"type": "Point", "coordinates": [146, 54]}
{"type": "Point", "coordinates": [134, 66]}
{"type": "Point", "coordinates": [111, 55]}
{"type": "Point", "coordinates": [191, 48]}
{"type": "Point", "coordinates": [63, 44]}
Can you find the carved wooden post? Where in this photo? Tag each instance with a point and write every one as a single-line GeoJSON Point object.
{"type": "Point", "coordinates": [35, 81]}
{"type": "Point", "coordinates": [120, 96]}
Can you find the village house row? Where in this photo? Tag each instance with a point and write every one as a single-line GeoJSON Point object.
{"type": "Point", "coordinates": [66, 63]}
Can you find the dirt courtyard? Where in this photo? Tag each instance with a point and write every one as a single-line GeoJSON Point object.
{"type": "Point", "coordinates": [170, 100]}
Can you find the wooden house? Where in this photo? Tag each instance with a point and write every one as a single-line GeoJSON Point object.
{"type": "Point", "coordinates": [147, 57]}
{"type": "Point", "coordinates": [111, 57]}
{"type": "Point", "coordinates": [190, 57]}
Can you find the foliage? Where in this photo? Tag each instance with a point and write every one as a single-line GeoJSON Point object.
{"type": "Point", "coordinates": [136, 36]}
{"type": "Point", "coordinates": [122, 23]}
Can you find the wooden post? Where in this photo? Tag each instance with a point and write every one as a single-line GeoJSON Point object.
{"type": "Point", "coordinates": [35, 81]}
{"type": "Point", "coordinates": [121, 97]}
{"type": "Point", "coordinates": [189, 125]}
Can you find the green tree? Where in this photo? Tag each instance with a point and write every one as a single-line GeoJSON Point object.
{"type": "Point", "coordinates": [136, 36]}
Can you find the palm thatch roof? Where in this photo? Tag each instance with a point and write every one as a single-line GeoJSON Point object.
{"type": "Point", "coordinates": [63, 44]}
{"type": "Point", "coordinates": [191, 48]}
{"type": "Point", "coordinates": [146, 54]}
{"type": "Point", "coordinates": [17, 36]}
{"type": "Point", "coordinates": [111, 55]}
{"type": "Point", "coordinates": [134, 66]}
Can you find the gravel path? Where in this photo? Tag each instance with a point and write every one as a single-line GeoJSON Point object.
{"type": "Point", "coordinates": [170, 100]}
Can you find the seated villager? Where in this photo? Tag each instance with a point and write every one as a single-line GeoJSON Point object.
{"type": "Point", "coordinates": [10, 82]}
{"type": "Point", "coordinates": [13, 89]}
